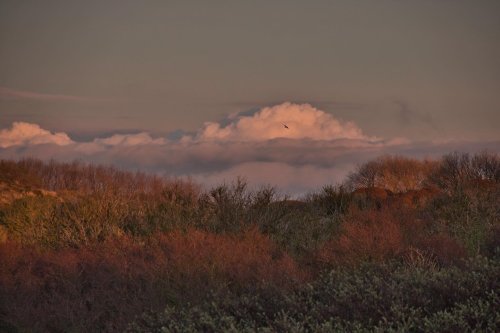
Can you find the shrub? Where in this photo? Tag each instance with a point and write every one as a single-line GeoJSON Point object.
{"type": "Point", "coordinates": [233, 207]}
{"type": "Point", "coordinates": [331, 200]}
{"type": "Point", "coordinates": [393, 173]}
{"type": "Point", "coordinates": [364, 236]}
{"type": "Point", "coordinates": [468, 216]}
{"type": "Point", "coordinates": [15, 174]}
{"type": "Point", "coordinates": [227, 205]}
{"type": "Point", "coordinates": [29, 220]}
{"type": "Point", "coordinates": [458, 171]}
{"type": "Point", "coordinates": [441, 248]}
{"type": "Point", "coordinates": [101, 287]}
{"type": "Point", "coordinates": [370, 298]}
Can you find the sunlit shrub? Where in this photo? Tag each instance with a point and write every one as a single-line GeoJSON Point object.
{"type": "Point", "coordinates": [393, 173]}
{"type": "Point", "coordinates": [249, 257]}
{"type": "Point", "coordinates": [364, 236]}
{"type": "Point", "coordinates": [30, 220]}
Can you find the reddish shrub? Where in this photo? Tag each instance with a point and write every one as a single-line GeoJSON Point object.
{"type": "Point", "coordinates": [102, 288]}
{"type": "Point", "coordinates": [247, 258]}
{"type": "Point", "coordinates": [370, 197]}
{"type": "Point", "coordinates": [395, 173]}
{"type": "Point", "coordinates": [443, 248]}
{"type": "Point", "coordinates": [365, 236]}
{"type": "Point", "coordinates": [413, 198]}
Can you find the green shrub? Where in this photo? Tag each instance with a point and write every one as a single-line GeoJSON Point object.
{"type": "Point", "coordinates": [331, 200]}
{"type": "Point", "coordinates": [459, 171]}
{"type": "Point", "coordinates": [469, 216]}
{"type": "Point", "coordinates": [387, 298]}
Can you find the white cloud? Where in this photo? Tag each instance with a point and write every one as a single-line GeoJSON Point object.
{"type": "Point", "coordinates": [22, 133]}
{"type": "Point", "coordinates": [303, 121]}
{"type": "Point", "coordinates": [142, 138]}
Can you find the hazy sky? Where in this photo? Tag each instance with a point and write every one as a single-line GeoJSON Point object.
{"type": "Point", "coordinates": [421, 70]}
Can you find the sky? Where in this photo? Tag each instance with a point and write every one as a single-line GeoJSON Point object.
{"type": "Point", "coordinates": [202, 89]}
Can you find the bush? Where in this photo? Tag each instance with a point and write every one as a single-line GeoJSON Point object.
{"type": "Point", "coordinates": [100, 288]}
{"type": "Point", "coordinates": [331, 200]}
{"type": "Point", "coordinates": [29, 220]}
{"type": "Point", "coordinates": [470, 217]}
{"type": "Point", "coordinates": [370, 298]}
{"type": "Point", "coordinates": [459, 171]}
{"type": "Point", "coordinates": [364, 236]}
{"type": "Point", "coordinates": [393, 173]}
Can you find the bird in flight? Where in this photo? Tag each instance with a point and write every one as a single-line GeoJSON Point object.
{"type": "Point", "coordinates": [284, 125]}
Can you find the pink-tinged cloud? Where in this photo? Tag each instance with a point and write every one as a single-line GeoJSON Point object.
{"type": "Point", "coordinates": [119, 141]}
{"type": "Point", "coordinates": [31, 134]}
{"type": "Point", "coordinates": [8, 93]}
{"type": "Point", "coordinates": [286, 120]}
{"type": "Point", "coordinates": [142, 138]}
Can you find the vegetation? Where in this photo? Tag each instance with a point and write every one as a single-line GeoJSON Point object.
{"type": "Point", "coordinates": [382, 298]}
{"type": "Point", "coordinates": [403, 245]}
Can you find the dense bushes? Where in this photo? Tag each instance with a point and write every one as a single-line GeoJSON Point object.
{"type": "Point", "coordinates": [99, 288]}
{"type": "Point", "coordinates": [90, 248]}
{"type": "Point", "coordinates": [387, 298]}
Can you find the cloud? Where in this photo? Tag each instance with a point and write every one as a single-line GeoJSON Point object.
{"type": "Point", "coordinates": [299, 161]}
{"type": "Point", "coordinates": [119, 140]}
{"type": "Point", "coordinates": [290, 178]}
{"type": "Point", "coordinates": [8, 93]}
{"type": "Point", "coordinates": [22, 133]}
{"type": "Point", "coordinates": [142, 138]}
{"type": "Point", "coordinates": [303, 121]}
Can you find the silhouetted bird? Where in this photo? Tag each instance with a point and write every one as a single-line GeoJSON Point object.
{"type": "Point", "coordinates": [285, 126]}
